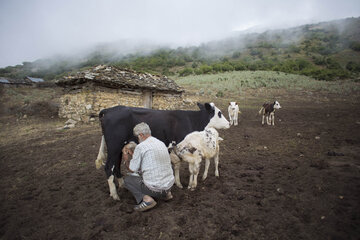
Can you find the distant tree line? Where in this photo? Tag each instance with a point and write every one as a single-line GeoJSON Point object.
{"type": "Point", "coordinates": [312, 50]}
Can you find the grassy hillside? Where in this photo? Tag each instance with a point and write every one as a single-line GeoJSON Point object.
{"type": "Point", "coordinates": [324, 51]}
{"type": "Point", "coordinates": [234, 83]}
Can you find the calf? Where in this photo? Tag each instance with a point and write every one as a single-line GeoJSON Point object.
{"type": "Point", "coordinates": [195, 147]}
{"type": "Point", "coordinates": [117, 125]}
{"type": "Point", "coordinates": [127, 153]}
{"type": "Point", "coordinates": [233, 111]}
{"type": "Point", "coordinates": [268, 110]}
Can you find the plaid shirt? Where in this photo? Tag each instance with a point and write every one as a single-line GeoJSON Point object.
{"type": "Point", "coordinates": [151, 160]}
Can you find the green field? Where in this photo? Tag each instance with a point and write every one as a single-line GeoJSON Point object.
{"type": "Point", "coordinates": [237, 81]}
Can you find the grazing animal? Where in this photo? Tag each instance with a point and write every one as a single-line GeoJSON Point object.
{"type": "Point", "coordinates": [233, 111]}
{"type": "Point", "coordinates": [268, 110]}
{"type": "Point", "coordinates": [195, 147]}
{"type": "Point", "coordinates": [117, 125]}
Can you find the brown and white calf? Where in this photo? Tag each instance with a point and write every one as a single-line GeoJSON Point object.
{"type": "Point", "coordinates": [128, 151]}
{"type": "Point", "coordinates": [233, 111]}
{"type": "Point", "coordinates": [268, 110]}
{"type": "Point", "coordinates": [195, 147]}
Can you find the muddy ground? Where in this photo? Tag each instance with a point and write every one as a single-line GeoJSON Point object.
{"type": "Point", "coordinates": [299, 179]}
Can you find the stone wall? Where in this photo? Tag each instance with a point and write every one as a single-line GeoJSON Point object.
{"type": "Point", "coordinates": [163, 101]}
{"type": "Point", "coordinates": [84, 104]}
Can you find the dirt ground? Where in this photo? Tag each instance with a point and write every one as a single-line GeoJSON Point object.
{"type": "Point", "coordinates": [299, 179]}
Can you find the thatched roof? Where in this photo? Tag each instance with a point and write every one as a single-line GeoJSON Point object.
{"type": "Point", "coordinates": [113, 77]}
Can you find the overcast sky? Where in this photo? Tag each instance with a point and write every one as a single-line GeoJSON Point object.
{"type": "Point", "coordinates": [33, 29]}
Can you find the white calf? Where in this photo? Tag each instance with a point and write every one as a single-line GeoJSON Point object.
{"type": "Point", "coordinates": [195, 147]}
{"type": "Point", "coordinates": [233, 111]}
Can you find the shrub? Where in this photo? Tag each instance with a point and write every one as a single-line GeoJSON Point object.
{"type": "Point", "coordinates": [227, 67]}
{"type": "Point", "coordinates": [198, 71]}
{"type": "Point", "coordinates": [206, 69]}
{"type": "Point", "coordinates": [255, 52]}
{"type": "Point", "coordinates": [355, 46]}
{"type": "Point", "coordinates": [219, 94]}
{"type": "Point", "coordinates": [353, 67]}
{"type": "Point", "coordinates": [239, 66]}
{"type": "Point", "coordinates": [185, 72]}
{"type": "Point", "coordinates": [332, 64]}
{"type": "Point", "coordinates": [294, 49]}
{"type": "Point", "coordinates": [319, 60]}
{"type": "Point", "coordinates": [217, 67]}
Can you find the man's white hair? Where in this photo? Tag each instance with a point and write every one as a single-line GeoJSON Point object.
{"type": "Point", "coordinates": [142, 128]}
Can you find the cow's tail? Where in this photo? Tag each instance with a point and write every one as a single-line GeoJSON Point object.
{"type": "Point", "coordinates": [261, 109]}
{"type": "Point", "coordinates": [101, 155]}
{"type": "Point", "coordinates": [101, 117]}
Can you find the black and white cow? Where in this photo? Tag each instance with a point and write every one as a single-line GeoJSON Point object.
{"type": "Point", "coordinates": [169, 126]}
{"type": "Point", "coordinates": [268, 110]}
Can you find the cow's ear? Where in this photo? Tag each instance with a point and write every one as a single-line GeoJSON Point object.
{"type": "Point", "coordinates": [201, 107]}
{"type": "Point", "coordinates": [208, 107]}
{"type": "Point", "coordinates": [235, 103]}
{"type": "Point", "coordinates": [229, 103]}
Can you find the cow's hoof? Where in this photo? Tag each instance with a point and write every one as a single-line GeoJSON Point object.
{"type": "Point", "coordinates": [98, 163]}
{"type": "Point", "coordinates": [179, 186]}
{"type": "Point", "coordinates": [115, 197]}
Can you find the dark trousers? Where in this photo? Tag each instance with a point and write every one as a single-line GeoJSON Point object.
{"type": "Point", "coordinates": [138, 189]}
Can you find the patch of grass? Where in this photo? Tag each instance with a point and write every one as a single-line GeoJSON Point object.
{"type": "Point", "coordinates": [26, 100]}
{"type": "Point", "coordinates": [236, 82]}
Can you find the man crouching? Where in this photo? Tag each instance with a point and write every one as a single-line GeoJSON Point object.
{"type": "Point", "coordinates": [152, 175]}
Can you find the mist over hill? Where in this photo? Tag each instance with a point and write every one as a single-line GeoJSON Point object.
{"type": "Point", "coordinates": [326, 51]}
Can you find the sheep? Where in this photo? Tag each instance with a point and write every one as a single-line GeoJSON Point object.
{"type": "Point", "coordinates": [196, 146]}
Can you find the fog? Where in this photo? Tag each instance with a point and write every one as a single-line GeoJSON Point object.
{"type": "Point", "coordinates": [34, 29]}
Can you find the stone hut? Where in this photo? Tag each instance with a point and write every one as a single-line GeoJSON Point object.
{"type": "Point", "coordinates": [89, 91]}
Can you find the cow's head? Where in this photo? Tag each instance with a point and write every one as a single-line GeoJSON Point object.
{"type": "Point", "coordinates": [232, 105]}
{"type": "Point", "coordinates": [277, 105]}
{"type": "Point", "coordinates": [216, 118]}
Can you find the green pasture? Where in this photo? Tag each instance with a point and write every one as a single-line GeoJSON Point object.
{"type": "Point", "coordinates": [238, 81]}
